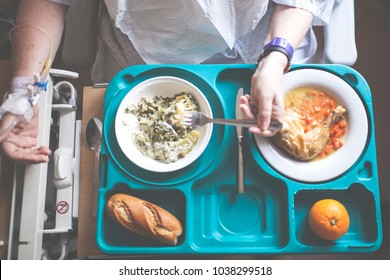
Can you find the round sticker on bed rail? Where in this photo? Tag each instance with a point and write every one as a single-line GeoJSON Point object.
{"type": "Point", "coordinates": [325, 128]}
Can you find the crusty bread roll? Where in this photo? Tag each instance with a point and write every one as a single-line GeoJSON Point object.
{"type": "Point", "coordinates": [144, 218]}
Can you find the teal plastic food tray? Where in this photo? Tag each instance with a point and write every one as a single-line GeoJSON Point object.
{"type": "Point", "coordinates": [271, 217]}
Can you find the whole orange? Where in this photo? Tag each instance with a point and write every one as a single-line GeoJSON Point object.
{"type": "Point", "coordinates": [329, 219]}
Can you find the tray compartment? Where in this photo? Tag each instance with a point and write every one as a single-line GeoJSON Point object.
{"type": "Point", "coordinates": [225, 220]}
{"type": "Point", "coordinates": [213, 150]}
{"type": "Point", "coordinates": [360, 203]}
{"type": "Point", "coordinates": [117, 238]}
{"type": "Point", "coordinates": [231, 79]}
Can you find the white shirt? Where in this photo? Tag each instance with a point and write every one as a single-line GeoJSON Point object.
{"type": "Point", "coordinates": [191, 31]}
{"type": "Point", "coordinates": [182, 31]}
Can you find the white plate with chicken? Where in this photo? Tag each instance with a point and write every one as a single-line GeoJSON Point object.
{"type": "Point", "coordinates": [325, 128]}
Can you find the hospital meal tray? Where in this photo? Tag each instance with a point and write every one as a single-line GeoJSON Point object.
{"type": "Point", "coordinates": [271, 216]}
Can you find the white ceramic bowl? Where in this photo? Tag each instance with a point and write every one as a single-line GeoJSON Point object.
{"type": "Point", "coordinates": [354, 140]}
{"type": "Point", "coordinates": [166, 86]}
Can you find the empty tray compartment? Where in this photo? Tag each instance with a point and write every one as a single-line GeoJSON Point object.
{"type": "Point", "coordinates": [224, 221]}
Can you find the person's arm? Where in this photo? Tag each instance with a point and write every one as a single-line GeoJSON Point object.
{"type": "Point", "coordinates": [266, 99]}
{"type": "Point", "coordinates": [36, 36]}
{"type": "Point", "coordinates": [37, 22]}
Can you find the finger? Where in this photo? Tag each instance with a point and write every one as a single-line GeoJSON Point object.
{"type": "Point", "coordinates": [26, 155]}
{"type": "Point", "coordinates": [33, 158]}
{"type": "Point", "coordinates": [247, 112]}
{"type": "Point", "coordinates": [265, 111]}
{"type": "Point", "coordinates": [245, 100]}
{"type": "Point", "coordinates": [263, 103]}
{"type": "Point", "coordinates": [253, 104]}
{"type": "Point", "coordinates": [278, 108]}
{"type": "Point", "coordinates": [260, 132]}
{"type": "Point", "coordinates": [249, 109]}
{"type": "Point", "coordinates": [244, 107]}
{"type": "Point", "coordinates": [43, 150]}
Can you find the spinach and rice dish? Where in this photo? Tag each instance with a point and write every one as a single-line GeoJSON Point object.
{"type": "Point", "coordinates": [161, 134]}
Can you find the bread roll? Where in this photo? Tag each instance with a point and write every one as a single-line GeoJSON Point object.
{"type": "Point", "coordinates": [144, 218]}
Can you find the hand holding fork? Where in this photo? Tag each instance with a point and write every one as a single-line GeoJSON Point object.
{"type": "Point", "coordinates": [195, 119]}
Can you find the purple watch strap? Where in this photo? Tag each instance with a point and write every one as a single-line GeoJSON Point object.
{"type": "Point", "coordinates": [281, 43]}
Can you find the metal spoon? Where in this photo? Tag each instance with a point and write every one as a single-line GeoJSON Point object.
{"type": "Point", "coordinates": [94, 133]}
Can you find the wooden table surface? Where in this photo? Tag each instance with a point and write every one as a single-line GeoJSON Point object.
{"type": "Point", "coordinates": [93, 99]}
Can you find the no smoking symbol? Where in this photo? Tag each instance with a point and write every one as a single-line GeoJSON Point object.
{"type": "Point", "coordinates": [62, 207]}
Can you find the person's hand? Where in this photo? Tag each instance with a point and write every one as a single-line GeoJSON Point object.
{"type": "Point", "coordinates": [20, 144]}
{"type": "Point", "coordinates": [265, 101]}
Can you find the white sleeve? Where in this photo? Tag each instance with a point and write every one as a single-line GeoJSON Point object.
{"type": "Point", "coordinates": [321, 9]}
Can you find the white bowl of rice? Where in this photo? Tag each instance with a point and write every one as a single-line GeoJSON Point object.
{"type": "Point", "coordinates": [148, 124]}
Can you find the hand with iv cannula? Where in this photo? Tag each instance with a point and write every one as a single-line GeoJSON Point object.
{"type": "Point", "coordinates": [20, 100]}
{"type": "Point", "coordinates": [35, 39]}
{"type": "Point", "coordinates": [19, 115]}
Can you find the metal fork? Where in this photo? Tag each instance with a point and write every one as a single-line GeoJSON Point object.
{"type": "Point", "coordinates": [195, 119]}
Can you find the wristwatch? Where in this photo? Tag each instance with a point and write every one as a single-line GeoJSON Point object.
{"type": "Point", "coordinates": [279, 45]}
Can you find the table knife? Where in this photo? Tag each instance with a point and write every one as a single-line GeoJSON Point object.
{"type": "Point", "coordinates": [240, 137]}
